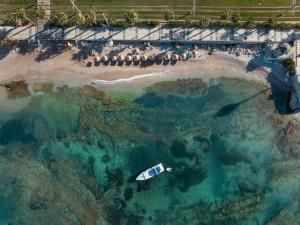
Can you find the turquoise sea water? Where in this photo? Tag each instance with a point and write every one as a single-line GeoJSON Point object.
{"type": "Point", "coordinates": [71, 157]}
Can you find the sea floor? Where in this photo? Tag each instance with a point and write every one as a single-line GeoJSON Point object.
{"type": "Point", "coordinates": [71, 156]}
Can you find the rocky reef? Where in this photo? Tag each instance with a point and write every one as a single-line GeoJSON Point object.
{"type": "Point", "coordinates": [289, 215]}
{"type": "Point", "coordinates": [231, 211]}
{"type": "Point", "coordinates": [16, 89]}
{"type": "Point", "coordinates": [77, 151]}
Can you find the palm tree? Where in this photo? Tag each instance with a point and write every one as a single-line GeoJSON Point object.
{"type": "Point", "coordinates": [91, 19]}
{"type": "Point", "coordinates": [236, 18]}
{"type": "Point", "coordinates": [79, 19]}
{"type": "Point", "coordinates": [272, 22]}
{"type": "Point", "coordinates": [20, 13]}
{"type": "Point", "coordinates": [15, 18]}
{"type": "Point", "coordinates": [40, 12]}
{"type": "Point", "coordinates": [204, 21]}
{"type": "Point", "coordinates": [112, 20]}
{"type": "Point", "coordinates": [226, 14]}
{"type": "Point", "coordinates": [250, 23]}
{"type": "Point", "coordinates": [10, 19]}
{"type": "Point", "coordinates": [131, 17]}
{"type": "Point", "coordinates": [60, 19]}
{"type": "Point", "coordinates": [169, 15]}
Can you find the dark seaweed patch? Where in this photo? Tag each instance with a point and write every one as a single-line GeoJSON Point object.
{"type": "Point", "coordinates": [90, 166]}
{"type": "Point", "coordinates": [230, 158]}
{"type": "Point", "coordinates": [178, 150]}
{"type": "Point", "coordinates": [106, 158]}
{"type": "Point", "coordinates": [143, 186]}
{"type": "Point", "coordinates": [14, 131]}
{"type": "Point", "coordinates": [115, 177]}
{"type": "Point", "coordinates": [186, 176]}
{"type": "Point", "coordinates": [150, 100]}
{"type": "Point", "coordinates": [128, 194]}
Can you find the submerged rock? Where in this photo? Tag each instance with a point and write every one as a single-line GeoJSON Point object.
{"type": "Point", "coordinates": [115, 177]}
{"type": "Point", "coordinates": [128, 194]}
{"type": "Point", "coordinates": [187, 87]}
{"type": "Point", "coordinates": [43, 87]}
{"type": "Point", "coordinates": [133, 137]}
{"type": "Point", "coordinates": [16, 89]}
{"type": "Point", "coordinates": [89, 91]}
{"type": "Point", "coordinates": [225, 212]}
{"type": "Point", "coordinates": [290, 215]}
{"type": "Point", "coordinates": [178, 150]}
{"type": "Point", "coordinates": [186, 176]}
{"type": "Point", "coordinates": [143, 186]}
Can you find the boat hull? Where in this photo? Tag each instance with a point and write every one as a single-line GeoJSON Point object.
{"type": "Point", "coordinates": [151, 172]}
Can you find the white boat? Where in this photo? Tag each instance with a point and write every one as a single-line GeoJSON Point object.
{"type": "Point", "coordinates": [152, 172]}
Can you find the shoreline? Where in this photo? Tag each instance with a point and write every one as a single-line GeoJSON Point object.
{"type": "Point", "coordinates": [63, 70]}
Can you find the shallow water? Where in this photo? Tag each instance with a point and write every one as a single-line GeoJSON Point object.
{"type": "Point", "coordinates": [71, 157]}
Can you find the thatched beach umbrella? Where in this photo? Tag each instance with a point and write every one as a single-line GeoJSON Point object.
{"type": "Point", "coordinates": [189, 55]}
{"type": "Point", "coordinates": [114, 58]}
{"type": "Point", "coordinates": [175, 57]}
{"type": "Point", "coordinates": [144, 58]}
{"type": "Point", "coordinates": [136, 51]}
{"type": "Point", "coordinates": [159, 57]}
{"type": "Point", "coordinates": [97, 59]}
{"type": "Point", "coordinates": [93, 52]}
{"type": "Point", "coordinates": [105, 58]}
{"type": "Point", "coordinates": [151, 57]}
{"type": "Point", "coordinates": [136, 58]}
{"type": "Point", "coordinates": [128, 58]}
{"type": "Point", "coordinates": [121, 58]}
{"type": "Point", "coordinates": [167, 57]}
{"type": "Point", "coordinates": [194, 53]}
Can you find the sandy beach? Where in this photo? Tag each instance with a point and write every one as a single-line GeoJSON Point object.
{"type": "Point", "coordinates": [63, 70]}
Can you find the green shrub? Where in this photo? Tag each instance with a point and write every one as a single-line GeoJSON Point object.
{"type": "Point", "coordinates": [15, 18]}
{"type": "Point", "coordinates": [131, 17]}
{"type": "Point", "coordinates": [220, 23]}
{"type": "Point", "coordinates": [250, 23]}
{"type": "Point", "coordinates": [40, 12]}
{"type": "Point", "coordinates": [226, 14]}
{"type": "Point", "coordinates": [79, 19]}
{"type": "Point", "coordinates": [121, 24]}
{"type": "Point", "coordinates": [90, 19]}
{"type": "Point", "coordinates": [236, 18]}
{"type": "Point", "coordinates": [60, 19]}
{"type": "Point", "coordinates": [272, 22]}
{"type": "Point", "coordinates": [111, 20]}
{"type": "Point", "coordinates": [169, 15]}
{"type": "Point", "coordinates": [151, 23]}
{"type": "Point", "coordinates": [290, 26]}
{"type": "Point", "coordinates": [204, 21]}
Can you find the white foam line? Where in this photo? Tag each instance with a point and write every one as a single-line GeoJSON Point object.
{"type": "Point", "coordinates": [149, 75]}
